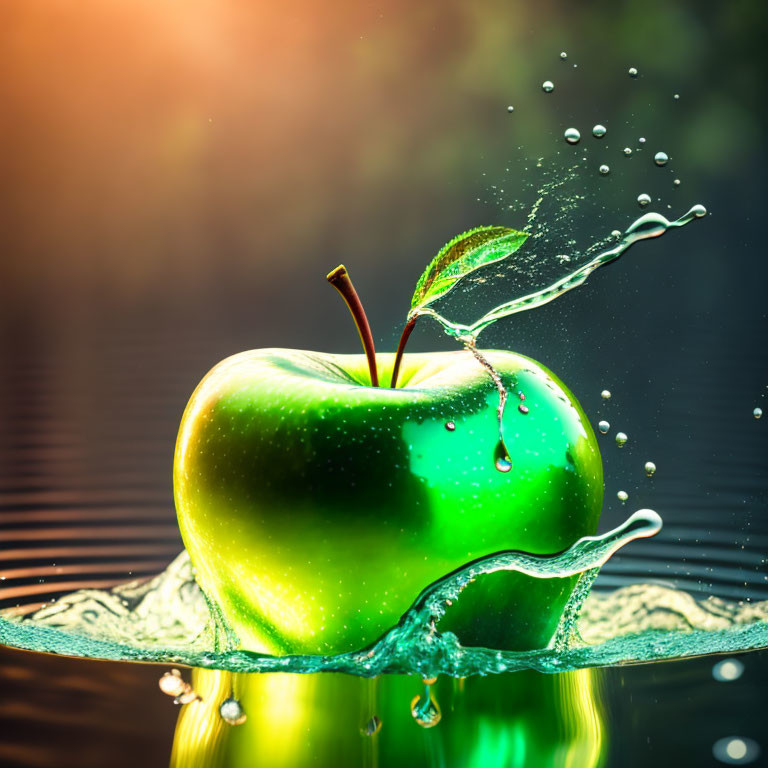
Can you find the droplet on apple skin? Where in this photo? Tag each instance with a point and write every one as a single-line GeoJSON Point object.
{"type": "Point", "coordinates": [501, 457]}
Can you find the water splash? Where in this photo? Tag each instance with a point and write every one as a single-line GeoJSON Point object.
{"type": "Point", "coordinates": [167, 619]}
{"type": "Point", "coordinates": [647, 226]}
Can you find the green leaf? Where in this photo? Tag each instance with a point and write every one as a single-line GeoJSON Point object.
{"type": "Point", "coordinates": [462, 255]}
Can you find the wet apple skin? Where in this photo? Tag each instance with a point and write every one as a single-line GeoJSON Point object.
{"type": "Point", "coordinates": [315, 508]}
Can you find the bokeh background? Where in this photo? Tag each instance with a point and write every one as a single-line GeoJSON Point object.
{"type": "Point", "coordinates": [177, 178]}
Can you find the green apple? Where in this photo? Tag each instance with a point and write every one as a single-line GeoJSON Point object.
{"type": "Point", "coordinates": [316, 507]}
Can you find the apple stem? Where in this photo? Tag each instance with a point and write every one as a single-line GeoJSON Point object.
{"type": "Point", "coordinates": [401, 348]}
{"type": "Point", "coordinates": [340, 280]}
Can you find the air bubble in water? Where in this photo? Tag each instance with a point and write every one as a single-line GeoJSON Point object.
{"type": "Point", "coordinates": [510, 108]}
{"type": "Point", "coordinates": [547, 86]}
{"type": "Point", "coordinates": [727, 670]}
{"type": "Point", "coordinates": [372, 727]}
{"type": "Point", "coordinates": [604, 426]}
{"type": "Point", "coordinates": [425, 711]}
{"type": "Point", "coordinates": [604, 170]}
{"type": "Point", "coordinates": [757, 413]}
{"type": "Point", "coordinates": [606, 394]}
{"type": "Point", "coordinates": [622, 496]}
{"type": "Point", "coordinates": [632, 72]}
{"type": "Point", "coordinates": [627, 151]}
{"type": "Point", "coordinates": [232, 712]}
{"type": "Point", "coordinates": [599, 131]}
{"type": "Point", "coordinates": [572, 135]}
{"type": "Point", "coordinates": [621, 439]}
{"type": "Point", "coordinates": [643, 200]}
{"type": "Point", "coordinates": [650, 468]}
{"type": "Point", "coordinates": [661, 158]}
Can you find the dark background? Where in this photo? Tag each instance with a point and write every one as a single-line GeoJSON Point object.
{"type": "Point", "coordinates": [176, 180]}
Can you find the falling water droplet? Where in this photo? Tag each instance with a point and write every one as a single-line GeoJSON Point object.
{"type": "Point", "coordinates": [622, 496]}
{"type": "Point", "coordinates": [661, 158]}
{"type": "Point", "coordinates": [547, 86]}
{"type": "Point", "coordinates": [641, 140]}
{"type": "Point", "coordinates": [604, 170]}
{"type": "Point", "coordinates": [621, 439]}
{"type": "Point", "coordinates": [627, 151]}
{"type": "Point", "coordinates": [699, 211]}
{"type": "Point", "coordinates": [231, 712]}
{"type": "Point", "coordinates": [606, 393]}
{"type": "Point", "coordinates": [603, 426]}
{"type": "Point", "coordinates": [372, 727]}
{"type": "Point", "coordinates": [522, 408]}
{"type": "Point", "coordinates": [563, 55]}
{"type": "Point", "coordinates": [676, 97]}
{"type": "Point", "coordinates": [632, 72]}
{"type": "Point", "coordinates": [676, 182]}
{"type": "Point", "coordinates": [757, 413]}
{"type": "Point", "coordinates": [510, 108]}
{"type": "Point", "coordinates": [650, 468]}
{"type": "Point", "coordinates": [425, 711]}
{"type": "Point", "coordinates": [450, 426]}
{"type": "Point", "coordinates": [599, 131]}
{"type": "Point", "coordinates": [572, 136]}
{"type": "Point", "coordinates": [643, 200]}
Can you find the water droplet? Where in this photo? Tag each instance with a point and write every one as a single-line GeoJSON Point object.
{"type": "Point", "coordinates": [650, 468]}
{"type": "Point", "coordinates": [563, 55]}
{"type": "Point", "coordinates": [643, 200]}
{"type": "Point", "coordinates": [621, 439]}
{"type": "Point", "coordinates": [231, 712]}
{"type": "Point", "coordinates": [547, 86]}
{"type": "Point", "coordinates": [727, 670]}
{"type": "Point", "coordinates": [606, 394]}
{"type": "Point", "coordinates": [522, 408]}
{"type": "Point", "coordinates": [622, 496]}
{"type": "Point", "coordinates": [632, 71]}
{"type": "Point", "coordinates": [641, 140]}
{"type": "Point", "coordinates": [372, 727]}
{"type": "Point", "coordinates": [661, 158]}
{"type": "Point", "coordinates": [757, 413]}
{"type": "Point", "coordinates": [603, 426]}
{"type": "Point", "coordinates": [450, 426]}
{"type": "Point", "coordinates": [627, 151]}
{"type": "Point", "coordinates": [425, 711]}
{"type": "Point", "coordinates": [572, 136]}
{"type": "Point", "coordinates": [676, 182]}
{"type": "Point", "coordinates": [615, 233]}
{"type": "Point", "coordinates": [599, 131]}
{"type": "Point", "coordinates": [501, 457]}
{"type": "Point", "coordinates": [604, 170]}
{"type": "Point", "coordinates": [510, 108]}
{"type": "Point", "coordinates": [734, 750]}
{"type": "Point", "coordinates": [676, 97]}
{"type": "Point", "coordinates": [699, 211]}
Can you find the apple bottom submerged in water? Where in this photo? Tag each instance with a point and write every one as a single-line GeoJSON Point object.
{"type": "Point", "coordinates": [316, 507]}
